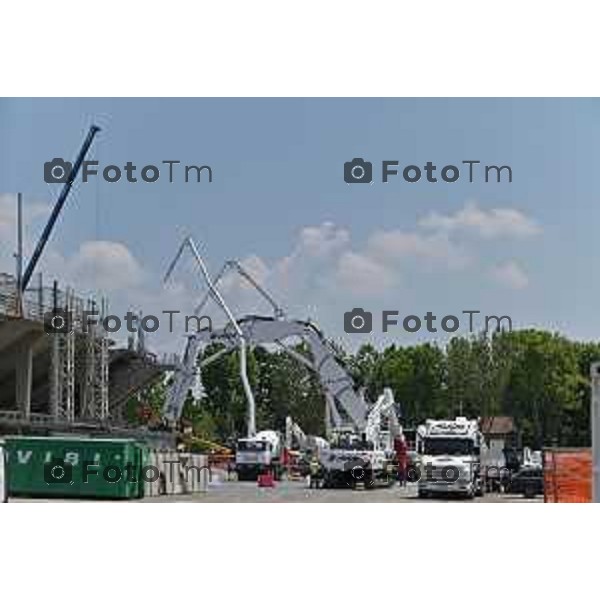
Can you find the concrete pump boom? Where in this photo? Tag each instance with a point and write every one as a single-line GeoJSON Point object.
{"type": "Point", "coordinates": [187, 370]}
{"type": "Point", "coordinates": [176, 400]}
{"type": "Point", "coordinates": [236, 266]}
{"type": "Point", "coordinates": [337, 383]}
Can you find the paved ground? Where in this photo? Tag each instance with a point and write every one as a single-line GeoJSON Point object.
{"type": "Point", "coordinates": [295, 491]}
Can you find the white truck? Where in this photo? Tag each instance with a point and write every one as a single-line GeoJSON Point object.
{"type": "Point", "coordinates": [450, 458]}
{"type": "Point", "coordinates": [352, 460]}
{"type": "Point", "coordinates": [365, 458]}
{"type": "Point", "coordinates": [258, 454]}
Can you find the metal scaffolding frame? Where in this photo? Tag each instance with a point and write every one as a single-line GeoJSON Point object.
{"type": "Point", "coordinates": [79, 366]}
{"type": "Point", "coordinates": [94, 356]}
{"type": "Point", "coordinates": [62, 376]}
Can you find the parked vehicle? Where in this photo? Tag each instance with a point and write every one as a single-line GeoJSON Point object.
{"type": "Point", "coordinates": [529, 482]}
{"type": "Point", "coordinates": [450, 458]}
{"type": "Point", "coordinates": [257, 455]}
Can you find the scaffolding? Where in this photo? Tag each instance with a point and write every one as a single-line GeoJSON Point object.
{"type": "Point", "coordinates": [62, 369]}
{"type": "Point", "coordinates": [79, 377]}
{"type": "Point", "coordinates": [94, 355]}
{"type": "Point", "coordinates": [79, 364]}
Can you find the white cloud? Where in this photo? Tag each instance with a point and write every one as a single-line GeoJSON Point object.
{"type": "Point", "coordinates": [493, 223]}
{"type": "Point", "coordinates": [311, 264]}
{"type": "Point", "coordinates": [510, 274]}
{"type": "Point", "coordinates": [324, 262]}
{"type": "Point", "coordinates": [32, 210]}
{"type": "Point", "coordinates": [360, 274]}
{"type": "Point", "coordinates": [323, 267]}
{"type": "Point", "coordinates": [323, 240]}
{"type": "Point", "coordinates": [394, 245]}
{"type": "Point", "coordinates": [103, 265]}
{"type": "Point", "coordinates": [8, 213]}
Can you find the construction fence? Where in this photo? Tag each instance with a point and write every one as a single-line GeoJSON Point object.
{"type": "Point", "coordinates": [567, 475]}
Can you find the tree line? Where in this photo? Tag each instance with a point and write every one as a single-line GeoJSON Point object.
{"type": "Point", "coordinates": [539, 378]}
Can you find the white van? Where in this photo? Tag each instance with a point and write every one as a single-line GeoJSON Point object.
{"type": "Point", "coordinates": [3, 476]}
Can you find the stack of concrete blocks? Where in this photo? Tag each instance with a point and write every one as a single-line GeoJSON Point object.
{"type": "Point", "coordinates": [180, 473]}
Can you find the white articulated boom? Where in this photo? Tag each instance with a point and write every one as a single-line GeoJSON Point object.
{"type": "Point", "coordinates": [343, 398]}
{"type": "Point", "coordinates": [384, 407]}
{"type": "Point", "coordinates": [187, 371]}
{"type": "Point", "coordinates": [295, 436]}
{"type": "Point", "coordinates": [359, 436]}
{"type": "Point", "coordinates": [176, 399]}
{"type": "Point", "coordinates": [347, 412]}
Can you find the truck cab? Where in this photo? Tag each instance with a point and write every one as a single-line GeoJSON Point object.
{"type": "Point", "coordinates": [257, 455]}
{"type": "Point", "coordinates": [450, 458]}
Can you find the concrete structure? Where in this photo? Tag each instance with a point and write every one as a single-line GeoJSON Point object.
{"type": "Point", "coordinates": [62, 380]}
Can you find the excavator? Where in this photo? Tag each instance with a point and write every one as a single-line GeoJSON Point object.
{"type": "Point", "coordinates": [296, 439]}
{"type": "Point", "coordinates": [300, 448]}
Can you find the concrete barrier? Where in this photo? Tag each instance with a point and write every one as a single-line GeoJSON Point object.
{"type": "Point", "coordinates": [180, 473]}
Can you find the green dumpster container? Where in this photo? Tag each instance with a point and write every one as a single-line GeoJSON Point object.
{"type": "Point", "coordinates": [70, 467]}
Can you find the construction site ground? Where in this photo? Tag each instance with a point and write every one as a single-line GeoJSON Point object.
{"type": "Point", "coordinates": [297, 491]}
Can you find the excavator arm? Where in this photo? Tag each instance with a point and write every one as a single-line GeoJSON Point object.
{"type": "Point", "coordinates": [385, 407]}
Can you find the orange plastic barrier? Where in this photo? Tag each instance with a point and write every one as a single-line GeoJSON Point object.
{"type": "Point", "coordinates": [567, 475]}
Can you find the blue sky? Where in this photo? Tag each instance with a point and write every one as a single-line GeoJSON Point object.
{"type": "Point", "coordinates": [278, 202]}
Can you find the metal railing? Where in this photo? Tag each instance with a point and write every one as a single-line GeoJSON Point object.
{"type": "Point", "coordinates": [37, 302]}
{"type": "Point", "coordinates": [33, 418]}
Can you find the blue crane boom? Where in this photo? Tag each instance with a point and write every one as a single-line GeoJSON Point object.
{"type": "Point", "coordinates": [37, 253]}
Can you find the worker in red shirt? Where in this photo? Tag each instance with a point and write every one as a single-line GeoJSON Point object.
{"type": "Point", "coordinates": [401, 448]}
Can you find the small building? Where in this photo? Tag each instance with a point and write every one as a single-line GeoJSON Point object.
{"type": "Point", "coordinates": [500, 432]}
